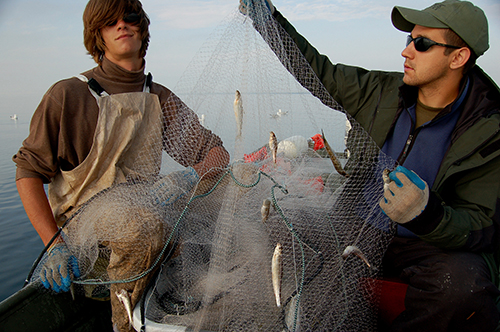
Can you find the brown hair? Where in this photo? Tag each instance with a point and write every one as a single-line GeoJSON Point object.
{"type": "Point", "coordinates": [101, 13]}
{"type": "Point", "coordinates": [453, 39]}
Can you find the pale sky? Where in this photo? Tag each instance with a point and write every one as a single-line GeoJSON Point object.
{"type": "Point", "coordinates": [42, 40]}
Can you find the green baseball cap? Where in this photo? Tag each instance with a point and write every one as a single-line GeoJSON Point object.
{"type": "Point", "coordinates": [466, 20]}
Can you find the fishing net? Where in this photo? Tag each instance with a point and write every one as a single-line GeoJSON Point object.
{"type": "Point", "coordinates": [222, 252]}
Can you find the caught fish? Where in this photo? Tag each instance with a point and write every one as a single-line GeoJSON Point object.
{"type": "Point", "coordinates": [273, 145]}
{"type": "Point", "coordinates": [333, 158]}
{"type": "Point", "coordinates": [355, 251]}
{"type": "Point", "coordinates": [238, 113]}
{"type": "Point", "coordinates": [276, 271]}
{"type": "Point", "coordinates": [385, 177]}
{"type": "Point", "coordinates": [264, 210]}
{"type": "Point", "coordinates": [125, 300]}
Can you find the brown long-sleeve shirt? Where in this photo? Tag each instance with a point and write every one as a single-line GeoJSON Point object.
{"type": "Point", "coordinates": [62, 127]}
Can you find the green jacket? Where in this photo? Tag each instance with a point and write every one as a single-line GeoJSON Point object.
{"type": "Point", "coordinates": [462, 212]}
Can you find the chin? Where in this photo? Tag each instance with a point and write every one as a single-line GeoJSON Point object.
{"type": "Point", "coordinates": [409, 81]}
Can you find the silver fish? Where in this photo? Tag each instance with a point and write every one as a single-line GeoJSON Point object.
{"type": "Point", "coordinates": [273, 145]}
{"type": "Point", "coordinates": [355, 251]}
{"type": "Point", "coordinates": [238, 113]}
{"type": "Point", "coordinates": [385, 177]}
{"type": "Point", "coordinates": [125, 300]}
{"type": "Point", "coordinates": [333, 157]}
{"type": "Point", "coordinates": [264, 210]}
{"type": "Point", "coordinates": [276, 272]}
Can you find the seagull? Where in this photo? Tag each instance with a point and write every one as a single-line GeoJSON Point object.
{"type": "Point", "coordinates": [201, 118]}
{"type": "Point", "coordinates": [278, 114]}
{"type": "Point", "coordinates": [13, 117]}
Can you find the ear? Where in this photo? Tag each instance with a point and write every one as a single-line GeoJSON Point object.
{"type": "Point", "coordinates": [460, 57]}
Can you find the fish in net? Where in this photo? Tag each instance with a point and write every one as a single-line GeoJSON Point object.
{"type": "Point", "coordinates": [288, 237]}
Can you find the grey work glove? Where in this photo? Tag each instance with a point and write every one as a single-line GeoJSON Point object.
{"type": "Point", "coordinates": [405, 197]}
{"type": "Point", "coordinates": [245, 3]}
{"type": "Point", "coordinates": [173, 186]}
{"type": "Point", "coordinates": [59, 269]}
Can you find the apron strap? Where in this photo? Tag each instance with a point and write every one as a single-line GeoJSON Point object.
{"type": "Point", "coordinates": [97, 91]}
{"type": "Point", "coordinates": [94, 87]}
{"type": "Point", "coordinates": [147, 83]}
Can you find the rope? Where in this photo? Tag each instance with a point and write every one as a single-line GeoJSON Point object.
{"type": "Point", "coordinates": [228, 171]}
{"type": "Point", "coordinates": [146, 272]}
{"type": "Point", "coordinates": [185, 210]}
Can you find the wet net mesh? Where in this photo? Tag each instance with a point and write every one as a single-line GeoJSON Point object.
{"type": "Point", "coordinates": [221, 251]}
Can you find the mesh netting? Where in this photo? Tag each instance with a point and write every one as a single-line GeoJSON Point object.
{"type": "Point", "coordinates": [210, 247]}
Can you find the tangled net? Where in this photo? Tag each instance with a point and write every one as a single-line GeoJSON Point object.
{"type": "Point", "coordinates": [213, 246]}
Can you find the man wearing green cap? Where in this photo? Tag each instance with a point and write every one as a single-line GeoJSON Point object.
{"type": "Point", "coordinates": [440, 120]}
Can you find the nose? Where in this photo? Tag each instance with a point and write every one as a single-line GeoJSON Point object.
{"type": "Point", "coordinates": [120, 24]}
{"type": "Point", "coordinates": [409, 51]}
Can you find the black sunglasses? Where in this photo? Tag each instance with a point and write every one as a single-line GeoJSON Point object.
{"type": "Point", "coordinates": [422, 44]}
{"type": "Point", "coordinates": [132, 18]}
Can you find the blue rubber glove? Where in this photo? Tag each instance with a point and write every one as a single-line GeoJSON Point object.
{"type": "Point", "coordinates": [173, 186]}
{"type": "Point", "coordinates": [245, 3]}
{"type": "Point", "coordinates": [59, 269]}
{"type": "Point", "coordinates": [405, 196]}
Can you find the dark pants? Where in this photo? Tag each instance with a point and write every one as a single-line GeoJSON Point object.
{"type": "Point", "coordinates": [448, 290]}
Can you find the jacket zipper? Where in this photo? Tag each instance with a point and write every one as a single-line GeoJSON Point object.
{"type": "Point", "coordinates": [403, 155]}
{"type": "Point", "coordinates": [408, 145]}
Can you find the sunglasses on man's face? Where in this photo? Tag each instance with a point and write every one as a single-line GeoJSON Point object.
{"type": "Point", "coordinates": [422, 44]}
{"type": "Point", "coordinates": [132, 18]}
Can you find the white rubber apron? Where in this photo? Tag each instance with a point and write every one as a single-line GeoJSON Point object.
{"type": "Point", "coordinates": [129, 128]}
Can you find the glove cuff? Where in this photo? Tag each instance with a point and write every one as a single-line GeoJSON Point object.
{"type": "Point", "coordinates": [243, 7]}
{"type": "Point", "coordinates": [270, 6]}
{"type": "Point", "coordinates": [56, 245]}
{"type": "Point", "coordinates": [191, 176]}
{"type": "Point", "coordinates": [430, 217]}
{"type": "Point", "coordinates": [168, 189]}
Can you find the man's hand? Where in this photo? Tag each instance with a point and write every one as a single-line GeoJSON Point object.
{"type": "Point", "coordinates": [405, 197]}
{"type": "Point", "coordinates": [245, 3]}
{"type": "Point", "coordinates": [59, 269]}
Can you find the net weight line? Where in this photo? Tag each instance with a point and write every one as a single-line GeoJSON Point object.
{"type": "Point", "coordinates": [279, 210]}
{"type": "Point", "coordinates": [185, 210]}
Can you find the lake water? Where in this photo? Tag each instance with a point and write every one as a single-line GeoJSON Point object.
{"type": "Point", "coordinates": [19, 243]}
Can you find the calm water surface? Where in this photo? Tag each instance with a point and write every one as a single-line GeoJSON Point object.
{"type": "Point", "coordinates": [19, 243]}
